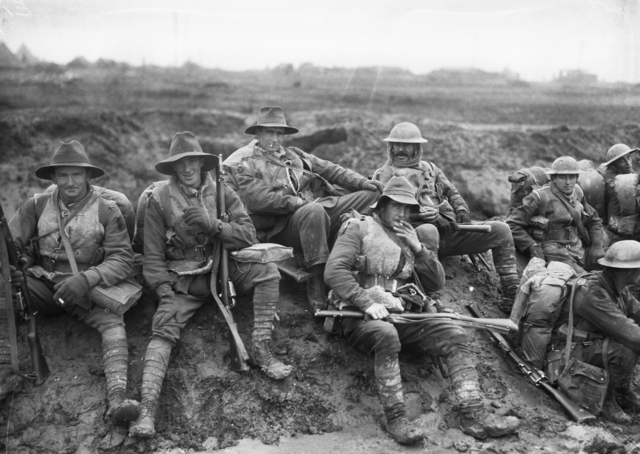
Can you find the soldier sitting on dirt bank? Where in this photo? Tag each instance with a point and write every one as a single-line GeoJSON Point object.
{"type": "Point", "coordinates": [98, 236]}
{"type": "Point", "coordinates": [181, 233]}
{"type": "Point", "coordinates": [609, 317]}
{"type": "Point", "coordinates": [393, 251]}
{"type": "Point", "coordinates": [621, 207]}
{"type": "Point", "coordinates": [555, 222]}
{"type": "Point", "coordinates": [290, 198]}
{"type": "Point", "coordinates": [443, 207]}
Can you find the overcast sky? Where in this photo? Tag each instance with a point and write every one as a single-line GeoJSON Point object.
{"type": "Point", "coordinates": [535, 38]}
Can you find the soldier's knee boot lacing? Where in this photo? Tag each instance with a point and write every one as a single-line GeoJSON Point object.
{"type": "Point", "coordinates": [115, 356]}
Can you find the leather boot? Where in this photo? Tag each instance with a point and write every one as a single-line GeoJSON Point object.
{"type": "Point", "coordinates": [474, 419]}
{"type": "Point", "coordinates": [504, 259]}
{"type": "Point", "coordinates": [115, 356]}
{"type": "Point", "coordinates": [156, 362]}
{"type": "Point", "coordinates": [261, 354]}
{"type": "Point", "coordinates": [389, 384]}
{"type": "Point", "coordinates": [627, 398]}
{"type": "Point", "coordinates": [509, 284]}
{"type": "Point", "coordinates": [316, 288]}
{"type": "Point", "coordinates": [611, 411]}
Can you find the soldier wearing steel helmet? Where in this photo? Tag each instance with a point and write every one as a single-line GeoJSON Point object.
{"type": "Point", "coordinates": [573, 232]}
{"type": "Point", "coordinates": [621, 207]}
{"type": "Point", "coordinates": [608, 314]}
{"type": "Point", "coordinates": [442, 208]}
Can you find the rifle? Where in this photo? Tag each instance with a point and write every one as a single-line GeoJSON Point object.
{"type": "Point", "coordinates": [297, 275]}
{"type": "Point", "coordinates": [503, 325]}
{"type": "Point", "coordinates": [9, 256]}
{"type": "Point", "coordinates": [578, 414]}
{"type": "Point", "coordinates": [226, 299]}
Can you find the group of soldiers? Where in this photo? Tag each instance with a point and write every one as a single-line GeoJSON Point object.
{"type": "Point", "coordinates": [367, 239]}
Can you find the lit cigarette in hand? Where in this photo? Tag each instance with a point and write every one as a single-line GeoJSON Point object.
{"type": "Point", "coordinates": [61, 301]}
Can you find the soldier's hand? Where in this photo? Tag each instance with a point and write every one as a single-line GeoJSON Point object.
{"type": "Point", "coordinates": [595, 253]}
{"type": "Point", "coordinates": [536, 251]}
{"type": "Point", "coordinates": [406, 232]}
{"type": "Point", "coordinates": [463, 218]}
{"type": "Point", "coordinates": [377, 311]}
{"type": "Point", "coordinates": [71, 290]}
{"type": "Point", "coordinates": [426, 215]}
{"type": "Point", "coordinates": [198, 217]}
{"type": "Point", "coordinates": [445, 227]}
{"type": "Point", "coordinates": [372, 185]}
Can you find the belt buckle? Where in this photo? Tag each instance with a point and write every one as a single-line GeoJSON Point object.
{"type": "Point", "coordinates": [394, 285]}
{"type": "Point", "coordinates": [199, 250]}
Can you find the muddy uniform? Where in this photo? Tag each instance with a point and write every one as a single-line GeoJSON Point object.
{"type": "Point", "coordinates": [287, 197]}
{"type": "Point", "coordinates": [621, 204]}
{"type": "Point", "coordinates": [99, 238]}
{"type": "Point", "coordinates": [604, 312]}
{"type": "Point", "coordinates": [170, 246]}
{"type": "Point", "coordinates": [435, 190]}
{"type": "Point", "coordinates": [562, 240]}
{"type": "Point", "coordinates": [366, 241]}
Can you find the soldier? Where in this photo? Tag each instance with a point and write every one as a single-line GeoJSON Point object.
{"type": "Point", "coordinates": [555, 222]}
{"type": "Point", "coordinates": [443, 207]}
{"type": "Point", "coordinates": [608, 314]}
{"type": "Point", "coordinates": [98, 236]}
{"type": "Point", "coordinates": [290, 198]}
{"type": "Point", "coordinates": [621, 208]}
{"type": "Point", "coordinates": [181, 232]}
{"type": "Point", "coordinates": [393, 251]}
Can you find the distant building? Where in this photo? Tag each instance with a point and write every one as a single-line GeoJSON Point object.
{"type": "Point", "coordinates": [576, 77]}
{"type": "Point", "coordinates": [471, 76]}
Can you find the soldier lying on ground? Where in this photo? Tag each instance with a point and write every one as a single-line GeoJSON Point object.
{"type": "Point", "coordinates": [392, 251]}
{"type": "Point", "coordinates": [290, 198]}
{"type": "Point", "coordinates": [564, 224]}
{"type": "Point", "coordinates": [443, 207]}
{"type": "Point", "coordinates": [620, 203]}
{"type": "Point", "coordinates": [181, 233]}
{"type": "Point", "coordinates": [98, 236]}
{"type": "Point", "coordinates": [605, 309]}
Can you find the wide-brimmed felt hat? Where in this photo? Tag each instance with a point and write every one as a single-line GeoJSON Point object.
{"type": "Point", "coordinates": [68, 154]}
{"type": "Point", "coordinates": [185, 144]}
{"type": "Point", "coordinates": [400, 190]}
{"type": "Point", "coordinates": [271, 116]}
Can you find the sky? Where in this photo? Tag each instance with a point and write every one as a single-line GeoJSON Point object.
{"type": "Point", "coordinates": [535, 38]}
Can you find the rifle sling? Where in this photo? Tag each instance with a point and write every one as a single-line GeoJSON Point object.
{"type": "Point", "coordinates": [576, 216]}
{"type": "Point", "coordinates": [5, 294]}
{"type": "Point", "coordinates": [273, 161]}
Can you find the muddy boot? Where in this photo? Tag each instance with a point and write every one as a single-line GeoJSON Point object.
{"type": "Point", "coordinates": [611, 411]}
{"type": "Point", "coordinates": [389, 384]}
{"type": "Point", "coordinates": [261, 352]}
{"type": "Point", "coordinates": [115, 355]}
{"type": "Point", "coordinates": [627, 398]}
{"type": "Point", "coordinates": [156, 362]}
{"type": "Point", "coordinates": [504, 259]}
{"type": "Point", "coordinates": [474, 419]}
{"type": "Point", "coordinates": [316, 288]}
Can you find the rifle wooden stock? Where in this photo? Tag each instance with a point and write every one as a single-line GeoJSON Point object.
{"type": "Point", "coordinates": [494, 324]}
{"type": "Point", "coordinates": [538, 377]}
{"type": "Point", "coordinates": [239, 355]}
{"type": "Point", "coordinates": [297, 275]}
{"type": "Point", "coordinates": [38, 361]}
{"type": "Point", "coordinates": [475, 228]}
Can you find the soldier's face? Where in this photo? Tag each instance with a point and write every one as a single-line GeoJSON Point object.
{"type": "Point", "coordinates": [188, 171]}
{"type": "Point", "coordinates": [403, 152]}
{"type": "Point", "coordinates": [566, 183]}
{"type": "Point", "coordinates": [623, 164]}
{"type": "Point", "coordinates": [270, 138]}
{"type": "Point", "coordinates": [393, 211]}
{"type": "Point", "coordinates": [72, 182]}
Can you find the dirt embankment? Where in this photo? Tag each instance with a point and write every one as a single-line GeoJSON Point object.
{"type": "Point", "coordinates": [204, 406]}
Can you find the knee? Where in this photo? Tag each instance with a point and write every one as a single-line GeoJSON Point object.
{"type": "Point", "coordinates": [386, 337]}
{"type": "Point", "coordinates": [429, 236]}
{"type": "Point", "coordinates": [501, 231]}
{"type": "Point", "coordinates": [314, 211]}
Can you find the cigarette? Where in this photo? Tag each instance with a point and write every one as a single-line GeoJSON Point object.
{"type": "Point", "coordinates": [61, 301]}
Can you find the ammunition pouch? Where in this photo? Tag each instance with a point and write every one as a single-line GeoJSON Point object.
{"type": "Point", "coordinates": [371, 280]}
{"type": "Point", "coordinates": [539, 222]}
{"type": "Point", "coordinates": [579, 335]}
{"type": "Point", "coordinates": [197, 253]}
{"type": "Point", "coordinates": [60, 266]}
{"type": "Point", "coordinates": [565, 234]}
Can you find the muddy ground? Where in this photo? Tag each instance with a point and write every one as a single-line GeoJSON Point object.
{"type": "Point", "coordinates": [126, 119]}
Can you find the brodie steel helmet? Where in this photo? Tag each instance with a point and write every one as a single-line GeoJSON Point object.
{"type": "Point", "coordinates": [617, 151]}
{"type": "Point", "coordinates": [623, 254]}
{"type": "Point", "coordinates": [405, 133]}
{"type": "Point", "coordinates": [564, 165]}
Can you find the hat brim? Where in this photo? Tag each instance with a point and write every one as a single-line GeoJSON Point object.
{"type": "Point", "coordinates": [166, 167]}
{"type": "Point", "coordinates": [420, 140]}
{"type": "Point", "coordinates": [44, 172]}
{"type": "Point", "coordinates": [621, 156]}
{"type": "Point", "coordinates": [405, 200]}
{"type": "Point", "coordinates": [251, 130]}
{"type": "Point", "coordinates": [577, 172]}
{"type": "Point", "coordinates": [604, 262]}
